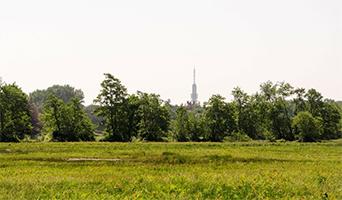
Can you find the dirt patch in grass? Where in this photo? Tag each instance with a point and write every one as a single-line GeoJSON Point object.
{"type": "Point", "coordinates": [95, 159]}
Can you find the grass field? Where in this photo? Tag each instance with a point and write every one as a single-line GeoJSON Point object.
{"type": "Point", "coordinates": [171, 170]}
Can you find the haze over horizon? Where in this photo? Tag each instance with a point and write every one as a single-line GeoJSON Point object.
{"type": "Point", "coordinates": [152, 46]}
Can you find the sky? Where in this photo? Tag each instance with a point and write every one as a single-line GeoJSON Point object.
{"type": "Point", "coordinates": [153, 46]}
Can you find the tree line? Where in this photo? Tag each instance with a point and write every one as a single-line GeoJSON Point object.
{"type": "Point", "coordinates": [276, 112]}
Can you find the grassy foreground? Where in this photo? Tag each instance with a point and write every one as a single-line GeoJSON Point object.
{"type": "Point", "coordinates": [171, 170]}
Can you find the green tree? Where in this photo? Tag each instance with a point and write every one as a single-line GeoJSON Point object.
{"type": "Point", "coordinates": [299, 101]}
{"type": "Point", "coordinates": [52, 117]}
{"type": "Point", "coordinates": [338, 104]}
{"type": "Point", "coordinates": [154, 117]}
{"type": "Point", "coordinates": [250, 113]}
{"type": "Point", "coordinates": [241, 99]}
{"type": "Point", "coordinates": [38, 98]}
{"type": "Point", "coordinates": [66, 122]}
{"type": "Point", "coordinates": [278, 118]}
{"type": "Point", "coordinates": [183, 133]}
{"type": "Point", "coordinates": [113, 107]}
{"type": "Point", "coordinates": [314, 102]}
{"type": "Point", "coordinates": [172, 109]}
{"type": "Point", "coordinates": [132, 115]}
{"type": "Point", "coordinates": [331, 121]}
{"type": "Point", "coordinates": [308, 127]}
{"type": "Point", "coordinates": [196, 126]}
{"type": "Point", "coordinates": [92, 116]}
{"type": "Point", "coordinates": [219, 118]}
{"type": "Point", "coordinates": [15, 115]}
{"type": "Point", "coordinates": [79, 125]}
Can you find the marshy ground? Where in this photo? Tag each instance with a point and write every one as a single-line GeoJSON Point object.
{"type": "Point", "coordinates": [97, 170]}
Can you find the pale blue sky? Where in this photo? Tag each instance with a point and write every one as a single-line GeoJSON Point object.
{"type": "Point", "coordinates": [153, 46]}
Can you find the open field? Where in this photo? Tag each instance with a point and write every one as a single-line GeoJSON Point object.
{"type": "Point", "coordinates": [171, 170]}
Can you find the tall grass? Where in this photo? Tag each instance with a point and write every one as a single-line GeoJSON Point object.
{"type": "Point", "coordinates": [252, 170]}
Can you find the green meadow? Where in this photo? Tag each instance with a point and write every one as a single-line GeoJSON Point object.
{"type": "Point", "coordinates": [249, 170]}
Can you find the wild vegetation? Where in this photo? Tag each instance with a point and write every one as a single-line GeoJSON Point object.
{"type": "Point", "coordinates": [276, 112]}
{"type": "Point", "coordinates": [271, 159]}
{"type": "Point", "coordinates": [248, 170]}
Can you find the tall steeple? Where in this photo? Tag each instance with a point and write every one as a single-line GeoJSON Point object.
{"type": "Point", "coordinates": [194, 90]}
{"type": "Point", "coordinates": [194, 75]}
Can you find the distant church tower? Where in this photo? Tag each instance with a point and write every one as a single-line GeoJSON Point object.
{"type": "Point", "coordinates": [194, 91]}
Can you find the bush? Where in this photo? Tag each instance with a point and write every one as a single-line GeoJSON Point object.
{"type": "Point", "coordinates": [238, 137]}
{"type": "Point", "coordinates": [308, 127]}
{"type": "Point", "coordinates": [269, 136]}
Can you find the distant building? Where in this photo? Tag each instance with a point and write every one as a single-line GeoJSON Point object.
{"type": "Point", "coordinates": [194, 90]}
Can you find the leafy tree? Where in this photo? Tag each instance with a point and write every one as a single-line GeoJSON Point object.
{"type": "Point", "coordinates": [331, 121]}
{"type": "Point", "coordinates": [133, 116]}
{"type": "Point", "coordinates": [241, 100]}
{"type": "Point", "coordinates": [196, 126]}
{"type": "Point", "coordinates": [67, 122]}
{"type": "Point", "coordinates": [15, 115]}
{"type": "Point", "coordinates": [38, 98]}
{"type": "Point", "coordinates": [92, 116]}
{"type": "Point", "coordinates": [172, 109]}
{"type": "Point", "coordinates": [113, 107]}
{"type": "Point", "coordinates": [80, 126]}
{"type": "Point", "coordinates": [183, 133]}
{"type": "Point", "coordinates": [249, 113]}
{"type": "Point", "coordinates": [52, 117]}
{"type": "Point", "coordinates": [154, 118]}
{"type": "Point", "coordinates": [314, 102]}
{"type": "Point", "coordinates": [308, 127]}
{"type": "Point", "coordinates": [219, 117]}
{"type": "Point", "coordinates": [278, 118]}
{"type": "Point", "coordinates": [197, 109]}
{"type": "Point", "coordinates": [327, 111]}
{"type": "Point", "coordinates": [299, 101]}
{"type": "Point", "coordinates": [338, 104]}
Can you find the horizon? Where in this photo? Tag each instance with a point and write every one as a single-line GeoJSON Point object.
{"type": "Point", "coordinates": [185, 101]}
{"type": "Point", "coordinates": [152, 46]}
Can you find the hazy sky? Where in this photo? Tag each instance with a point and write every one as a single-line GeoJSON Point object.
{"type": "Point", "coordinates": [152, 46]}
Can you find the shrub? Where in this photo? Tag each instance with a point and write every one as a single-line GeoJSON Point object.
{"type": "Point", "coordinates": [308, 127]}
{"type": "Point", "coordinates": [270, 136]}
{"type": "Point", "coordinates": [238, 137]}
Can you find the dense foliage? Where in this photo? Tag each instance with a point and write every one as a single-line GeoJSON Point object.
{"type": "Point", "coordinates": [66, 121]}
{"type": "Point", "coordinates": [183, 124]}
{"type": "Point", "coordinates": [15, 115]}
{"type": "Point", "coordinates": [125, 116]}
{"type": "Point", "coordinates": [113, 108]}
{"type": "Point", "coordinates": [38, 98]}
{"type": "Point", "coordinates": [276, 112]}
{"type": "Point", "coordinates": [154, 118]}
{"type": "Point", "coordinates": [307, 126]}
{"type": "Point", "coordinates": [219, 118]}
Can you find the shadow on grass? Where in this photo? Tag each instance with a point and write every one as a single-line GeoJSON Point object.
{"type": "Point", "coordinates": [174, 158]}
{"type": "Point", "coordinates": [168, 158]}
